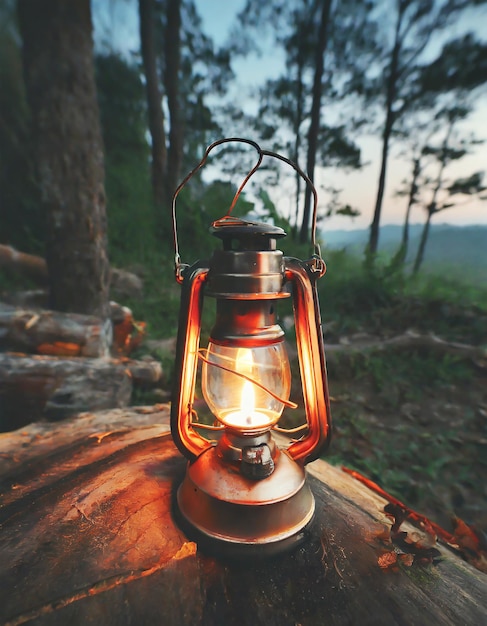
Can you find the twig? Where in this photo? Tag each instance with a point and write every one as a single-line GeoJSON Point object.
{"type": "Point", "coordinates": [411, 514]}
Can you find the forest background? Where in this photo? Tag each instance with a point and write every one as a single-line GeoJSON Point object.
{"type": "Point", "coordinates": [408, 75]}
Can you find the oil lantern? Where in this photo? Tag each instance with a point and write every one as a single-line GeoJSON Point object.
{"type": "Point", "coordinates": [243, 493]}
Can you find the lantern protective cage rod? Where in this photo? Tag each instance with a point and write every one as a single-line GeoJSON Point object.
{"type": "Point", "coordinates": [242, 494]}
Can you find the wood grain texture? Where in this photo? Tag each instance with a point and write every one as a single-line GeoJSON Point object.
{"type": "Point", "coordinates": [49, 332]}
{"type": "Point", "coordinates": [37, 387]}
{"type": "Point", "coordinates": [88, 537]}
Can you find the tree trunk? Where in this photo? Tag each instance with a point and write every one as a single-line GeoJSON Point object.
{"type": "Point", "coordinates": [297, 133]}
{"type": "Point", "coordinates": [58, 66]}
{"type": "Point", "coordinates": [386, 135]}
{"type": "Point", "coordinates": [411, 201]}
{"type": "Point", "coordinates": [401, 254]}
{"type": "Point", "coordinates": [422, 244]}
{"type": "Point", "coordinates": [171, 82]}
{"type": "Point", "coordinates": [314, 125]}
{"type": "Point", "coordinates": [154, 102]}
{"type": "Point", "coordinates": [89, 536]}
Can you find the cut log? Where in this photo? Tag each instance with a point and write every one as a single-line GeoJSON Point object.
{"type": "Point", "coordinates": [39, 331]}
{"type": "Point", "coordinates": [409, 341]}
{"type": "Point", "coordinates": [50, 332]}
{"type": "Point", "coordinates": [123, 282]}
{"type": "Point", "coordinates": [28, 299]}
{"type": "Point", "coordinates": [29, 265]}
{"type": "Point", "coordinates": [146, 373]}
{"type": "Point", "coordinates": [88, 536]}
{"type": "Point", "coordinates": [37, 387]}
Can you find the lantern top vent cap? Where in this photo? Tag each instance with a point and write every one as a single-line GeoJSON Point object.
{"type": "Point", "coordinates": [231, 228]}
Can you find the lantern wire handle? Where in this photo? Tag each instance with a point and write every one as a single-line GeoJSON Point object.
{"type": "Point", "coordinates": [317, 265]}
{"type": "Point", "coordinates": [309, 182]}
{"type": "Point", "coordinates": [177, 257]}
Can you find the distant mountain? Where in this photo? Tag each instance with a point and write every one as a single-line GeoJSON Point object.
{"type": "Point", "coordinates": [462, 250]}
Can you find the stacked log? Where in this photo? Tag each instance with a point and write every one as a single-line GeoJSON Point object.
{"type": "Point", "coordinates": [37, 331]}
{"type": "Point", "coordinates": [55, 364]}
{"type": "Point", "coordinates": [35, 387]}
{"type": "Point", "coordinates": [33, 267]}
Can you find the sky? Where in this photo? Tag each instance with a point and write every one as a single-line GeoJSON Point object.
{"type": "Point", "coordinates": [358, 188]}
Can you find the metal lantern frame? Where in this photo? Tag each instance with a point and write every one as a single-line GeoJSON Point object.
{"type": "Point", "coordinates": [230, 509]}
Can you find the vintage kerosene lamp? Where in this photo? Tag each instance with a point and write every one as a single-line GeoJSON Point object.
{"type": "Point", "coordinates": [242, 493]}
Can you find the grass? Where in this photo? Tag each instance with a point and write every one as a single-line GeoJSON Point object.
{"type": "Point", "coordinates": [412, 424]}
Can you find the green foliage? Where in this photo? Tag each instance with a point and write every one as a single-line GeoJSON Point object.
{"type": "Point", "coordinates": [383, 298]}
{"type": "Point", "coordinates": [354, 294]}
{"type": "Point", "coordinates": [399, 419]}
{"type": "Point", "coordinates": [121, 97]}
{"type": "Point", "coordinates": [21, 220]}
{"type": "Point", "coordinates": [468, 186]}
{"type": "Point", "coordinates": [337, 149]}
{"type": "Point", "coordinates": [462, 64]}
{"type": "Point", "coordinates": [131, 218]}
{"type": "Point", "coordinates": [198, 206]}
{"type": "Point", "coordinates": [409, 373]}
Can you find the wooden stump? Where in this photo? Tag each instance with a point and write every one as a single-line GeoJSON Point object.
{"type": "Point", "coordinates": [88, 536]}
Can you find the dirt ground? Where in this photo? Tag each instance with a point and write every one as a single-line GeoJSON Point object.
{"type": "Point", "coordinates": [426, 444]}
{"type": "Point", "coordinates": [414, 419]}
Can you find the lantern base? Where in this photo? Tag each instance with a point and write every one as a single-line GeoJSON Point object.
{"type": "Point", "coordinates": [237, 516]}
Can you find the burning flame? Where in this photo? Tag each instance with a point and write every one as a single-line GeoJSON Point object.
{"type": "Point", "coordinates": [244, 364]}
{"type": "Point", "coordinates": [247, 401]}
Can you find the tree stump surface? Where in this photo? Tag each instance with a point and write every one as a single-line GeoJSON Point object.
{"type": "Point", "coordinates": [88, 537]}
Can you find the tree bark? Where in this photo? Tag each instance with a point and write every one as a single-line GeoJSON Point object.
{"type": "Point", "coordinates": [422, 244]}
{"type": "Point", "coordinates": [386, 134]}
{"type": "Point", "coordinates": [171, 82]}
{"type": "Point", "coordinates": [154, 102]}
{"type": "Point", "coordinates": [297, 133]}
{"type": "Point", "coordinates": [89, 536]}
{"type": "Point", "coordinates": [58, 67]}
{"type": "Point", "coordinates": [314, 125]}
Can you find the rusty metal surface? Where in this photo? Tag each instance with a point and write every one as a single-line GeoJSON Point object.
{"type": "Point", "coordinates": [223, 480]}
{"type": "Point", "coordinates": [312, 363]}
{"type": "Point", "coordinates": [188, 441]}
